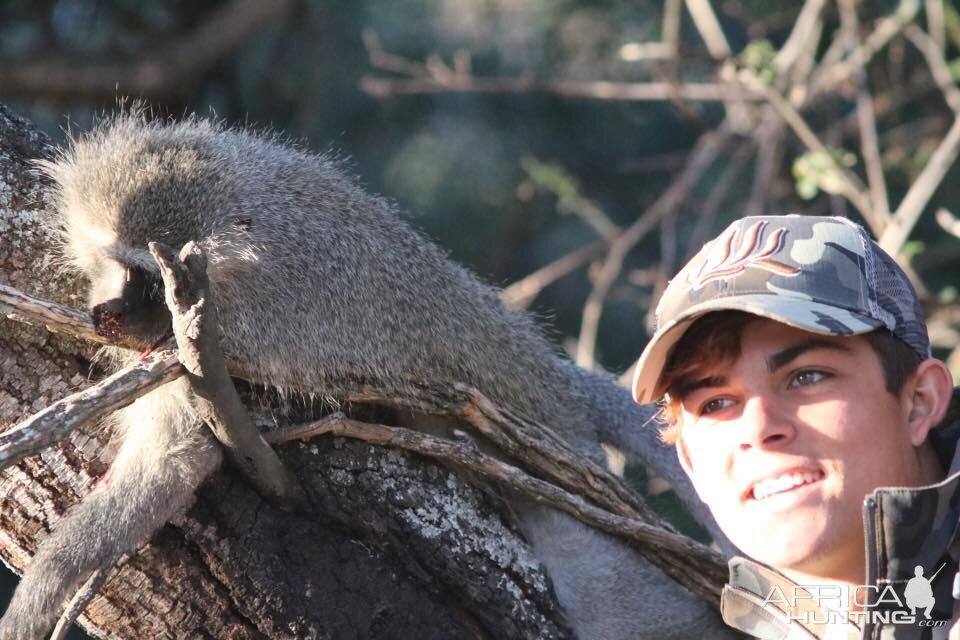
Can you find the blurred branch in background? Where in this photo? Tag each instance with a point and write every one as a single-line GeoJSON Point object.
{"type": "Point", "coordinates": [172, 69]}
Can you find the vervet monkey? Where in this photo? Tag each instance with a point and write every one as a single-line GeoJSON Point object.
{"type": "Point", "coordinates": [318, 286]}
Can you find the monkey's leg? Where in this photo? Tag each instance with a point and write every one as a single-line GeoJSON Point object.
{"type": "Point", "coordinates": [165, 455]}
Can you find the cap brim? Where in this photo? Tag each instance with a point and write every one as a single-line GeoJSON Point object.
{"type": "Point", "coordinates": [794, 312]}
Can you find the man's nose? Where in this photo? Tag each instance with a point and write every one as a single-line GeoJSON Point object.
{"type": "Point", "coordinates": [766, 423]}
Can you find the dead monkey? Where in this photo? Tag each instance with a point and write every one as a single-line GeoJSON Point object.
{"type": "Point", "coordinates": [316, 283]}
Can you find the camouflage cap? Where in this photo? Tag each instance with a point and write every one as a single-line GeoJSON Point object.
{"type": "Point", "coordinates": [823, 275]}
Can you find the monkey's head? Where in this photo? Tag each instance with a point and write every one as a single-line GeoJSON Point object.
{"type": "Point", "coordinates": [120, 186]}
{"type": "Point", "coordinates": [126, 300]}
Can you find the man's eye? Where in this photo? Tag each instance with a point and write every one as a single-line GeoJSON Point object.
{"type": "Point", "coordinates": [803, 378]}
{"type": "Point", "coordinates": [715, 404]}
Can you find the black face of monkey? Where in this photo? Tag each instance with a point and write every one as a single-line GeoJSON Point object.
{"type": "Point", "coordinates": [127, 301]}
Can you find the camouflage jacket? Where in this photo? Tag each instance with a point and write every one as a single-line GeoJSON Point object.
{"type": "Point", "coordinates": [905, 528]}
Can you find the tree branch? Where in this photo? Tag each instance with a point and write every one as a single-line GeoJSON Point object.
{"type": "Point", "coordinates": [701, 157]}
{"type": "Point", "coordinates": [383, 88]}
{"type": "Point", "coordinates": [167, 71]}
{"type": "Point", "coordinates": [196, 328]}
{"type": "Point", "coordinates": [705, 581]}
{"type": "Point", "coordinates": [866, 118]}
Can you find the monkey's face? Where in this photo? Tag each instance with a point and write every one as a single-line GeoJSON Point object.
{"type": "Point", "coordinates": [127, 302]}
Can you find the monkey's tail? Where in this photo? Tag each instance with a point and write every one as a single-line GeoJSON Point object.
{"type": "Point", "coordinates": [166, 453]}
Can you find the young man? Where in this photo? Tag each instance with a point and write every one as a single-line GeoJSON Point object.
{"type": "Point", "coordinates": [793, 362]}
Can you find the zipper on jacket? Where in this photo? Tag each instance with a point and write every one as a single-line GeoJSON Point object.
{"type": "Point", "coordinates": [870, 538]}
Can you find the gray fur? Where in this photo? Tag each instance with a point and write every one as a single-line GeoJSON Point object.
{"type": "Point", "coordinates": [318, 285]}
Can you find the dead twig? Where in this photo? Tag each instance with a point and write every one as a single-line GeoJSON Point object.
{"type": "Point", "coordinates": [866, 118]}
{"type": "Point", "coordinates": [521, 293]}
{"type": "Point", "coordinates": [701, 157]}
{"type": "Point", "coordinates": [709, 28]}
{"type": "Point", "coordinates": [769, 136]}
{"type": "Point", "coordinates": [948, 222]}
{"type": "Point", "coordinates": [831, 76]}
{"type": "Point", "coordinates": [168, 70]}
{"type": "Point", "coordinates": [196, 329]}
{"type": "Point", "coordinates": [921, 191]}
{"type": "Point", "coordinates": [83, 596]}
{"type": "Point", "coordinates": [383, 88]}
{"type": "Point", "coordinates": [849, 184]}
{"type": "Point", "coordinates": [938, 65]}
{"type": "Point", "coordinates": [936, 23]}
{"type": "Point", "coordinates": [55, 422]}
{"type": "Point", "coordinates": [798, 41]}
{"type": "Point", "coordinates": [717, 195]}
{"type": "Point", "coordinates": [58, 318]}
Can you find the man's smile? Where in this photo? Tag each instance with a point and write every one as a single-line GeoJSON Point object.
{"type": "Point", "coordinates": [783, 482]}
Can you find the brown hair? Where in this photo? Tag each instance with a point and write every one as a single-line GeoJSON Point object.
{"type": "Point", "coordinates": [714, 340]}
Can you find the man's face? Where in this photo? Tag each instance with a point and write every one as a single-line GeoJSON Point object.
{"type": "Point", "coordinates": [784, 444]}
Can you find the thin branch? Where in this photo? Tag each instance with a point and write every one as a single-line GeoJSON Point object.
{"type": "Point", "coordinates": [707, 561]}
{"type": "Point", "coordinates": [850, 185]}
{"type": "Point", "coordinates": [921, 191]}
{"type": "Point", "coordinates": [832, 75]}
{"type": "Point", "coordinates": [709, 28]}
{"type": "Point", "coordinates": [666, 269]}
{"type": "Point", "coordinates": [58, 318]}
{"type": "Point", "coordinates": [806, 25]}
{"type": "Point", "coordinates": [948, 222]}
{"type": "Point", "coordinates": [196, 328]}
{"type": "Point", "coordinates": [706, 150]}
{"type": "Point", "coordinates": [55, 422]}
{"type": "Point", "coordinates": [83, 596]}
{"type": "Point", "coordinates": [382, 88]}
{"type": "Point", "coordinates": [168, 70]}
{"type": "Point", "coordinates": [769, 136]}
{"type": "Point", "coordinates": [670, 34]}
{"type": "Point", "coordinates": [717, 195]}
{"type": "Point", "coordinates": [866, 118]}
{"type": "Point", "coordinates": [382, 59]}
{"type": "Point", "coordinates": [799, 74]}
{"type": "Point", "coordinates": [570, 199]}
{"type": "Point", "coordinates": [936, 24]}
{"type": "Point", "coordinates": [521, 293]}
{"type": "Point", "coordinates": [938, 66]}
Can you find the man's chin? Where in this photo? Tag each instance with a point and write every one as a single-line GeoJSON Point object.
{"type": "Point", "coordinates": [780, 549]}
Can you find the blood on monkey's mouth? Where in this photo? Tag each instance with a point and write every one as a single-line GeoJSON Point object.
{"type": "Point", "coordinates": [782, 483]}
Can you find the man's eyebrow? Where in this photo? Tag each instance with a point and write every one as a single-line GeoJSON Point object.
{"type": "Point", "coordinates": [686, 387]}
{"type": "Point", "coordinates": [785, 356]}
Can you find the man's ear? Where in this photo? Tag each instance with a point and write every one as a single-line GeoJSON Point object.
{"type": "Point", "coordinates": [927, 394]}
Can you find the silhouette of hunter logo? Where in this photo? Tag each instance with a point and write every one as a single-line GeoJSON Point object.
{"type": "Point", "coordinates": [919, 593]}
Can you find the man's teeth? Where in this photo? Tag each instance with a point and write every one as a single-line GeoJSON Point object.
{"type": "Point", "coordinates": [782, 483]}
